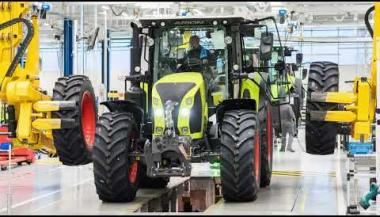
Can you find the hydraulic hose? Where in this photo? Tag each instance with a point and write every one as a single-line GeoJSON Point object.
{"type": "Point", "coordinates": [24, 44]}
{"type": "Point", "coordinates": [366, 20]}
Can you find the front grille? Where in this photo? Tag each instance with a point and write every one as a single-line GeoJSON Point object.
{"type": "Point", "coordinates": [174, 92]}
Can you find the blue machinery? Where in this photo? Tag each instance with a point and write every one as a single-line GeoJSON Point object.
{"type": "Point", "coordinates": [67, 47]}
{"type": "Point", "coordinates": [68, 43]}
{"type": "Point", "coordinates": [106, 72]}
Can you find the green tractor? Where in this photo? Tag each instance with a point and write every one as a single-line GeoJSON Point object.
{"type": "Point", "coordinates": [179, 110]}
{"type": "Point", "coordinates": [289, 85]}
{"type": "Point", "coordinates": [285, 84]}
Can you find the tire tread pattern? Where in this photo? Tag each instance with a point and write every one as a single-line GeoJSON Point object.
{"type": "Point", "coordinates": [237, 148]}
{"type": "Point", "coordinates": [110, 154]}
{"type": "Point", "coordinates": [321, 136]}
{"type": "Point", "coordinates": [70, 144]}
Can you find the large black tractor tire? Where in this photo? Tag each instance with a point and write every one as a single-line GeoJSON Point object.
{"type": "Point", "coordinates": [74, 145]}
{"type": "Point", "coordinates": [266, 139]}
{"type": "Point", "coordinates": [148, 182]}
{"type": "Point", "coordinates": [240, 155]}
{"type": "Point", "coordinates": [320, 135]}
{"type": "Point", "coordinates": [116, 175]}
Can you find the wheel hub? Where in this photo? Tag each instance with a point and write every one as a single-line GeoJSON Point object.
{"type": "Point", "coordinates": [133, 172]}
{"type": "Point", "coordinates": [88, 119]}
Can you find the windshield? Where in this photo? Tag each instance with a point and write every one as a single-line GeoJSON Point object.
{"type": "Point", "coordinates": [194, 49]}
{"type": "Point", "coordinates": [191, 49]}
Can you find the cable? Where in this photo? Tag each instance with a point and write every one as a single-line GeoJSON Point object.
{"type": "Point", "coordinates": [24, 44]}
{"type": "Point", "coordinates": [366, 20]}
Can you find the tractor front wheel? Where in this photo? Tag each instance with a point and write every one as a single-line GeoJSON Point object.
{"type": "Point", "coordinates": [240, 155]}
{"type": "Point", "coordinates": [74, 145]}
{"type": "Point", "coordinates": [116, 174]}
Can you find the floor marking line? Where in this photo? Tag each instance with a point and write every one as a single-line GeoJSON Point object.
{"type": "Point", "coordinates": [43, 207]}
{"type": "Point", "coordinates": [299, 171]}
{"type": "Point", "coordinates": [31, 200]}
{"type": "Point", "coordinates": [44, 195]}
{"type": "Point", "coordinates": [298, 191]}
{"type": "Point", "coordinates": [300, 174]}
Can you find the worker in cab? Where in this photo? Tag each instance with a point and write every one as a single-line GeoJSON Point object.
{"type": "Point", "coordinates": [197, 60]}
{"type": "Point", "coordinates": [196, 57]}
{"type": "Point", "coordinates": [197, 51]}
{"type": "Point", "coordinates": [287, 122]}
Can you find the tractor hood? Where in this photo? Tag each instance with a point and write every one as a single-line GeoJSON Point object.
{"type": "Point", "coordinates": [187, 91]}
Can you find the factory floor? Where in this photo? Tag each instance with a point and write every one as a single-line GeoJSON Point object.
{"type": "Point", "coordinates": [301, 184]}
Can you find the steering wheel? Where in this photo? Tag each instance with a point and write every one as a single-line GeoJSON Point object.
{"type": "Point", "coordinates": [191, 64]}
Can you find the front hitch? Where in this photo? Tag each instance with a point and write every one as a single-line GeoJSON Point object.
{"type": "Point", "coordinates": [161, 147]}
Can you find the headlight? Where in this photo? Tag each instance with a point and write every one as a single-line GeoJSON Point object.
{"type": "Point", "coordinates": [158, 112]}
{"type": "Point", "coordinates": [185, 112]}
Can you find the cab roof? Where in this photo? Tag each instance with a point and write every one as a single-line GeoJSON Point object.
{"type": "Point", "coordinates": [191, 21]}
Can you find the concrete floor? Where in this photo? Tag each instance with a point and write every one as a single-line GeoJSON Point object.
{"type": "Point", "coordinates": [301, 184]}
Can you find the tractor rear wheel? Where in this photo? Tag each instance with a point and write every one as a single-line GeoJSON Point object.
{"type": "Point", "coordinates": [74, 145]}
{"type": "Point", "coordinates": [320, 135]}
{"type": "Point", "coordinates": [116, 174]}
{"type": "Point", "coordinates": [240, 155]}
{"type": "Point", "coordinates": [148, 182]}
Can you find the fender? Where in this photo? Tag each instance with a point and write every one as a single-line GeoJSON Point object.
{"type": "Point", "coordinates": [234, 104]}
{"type": "Point", "coordinates": [126, 106]}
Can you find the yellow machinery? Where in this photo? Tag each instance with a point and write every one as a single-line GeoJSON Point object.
{"type": "Point", "coordinates": [359, 105]}
{"type": "Point", "coordinates": [34, 118]}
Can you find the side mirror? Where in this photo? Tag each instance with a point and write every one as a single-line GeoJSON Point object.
{"type": "Point", "coordinates": [266, 46]}
{"type": "Point", "coordinates": [299, 58]}
{"type": "Point", "coordinates": [304, 74]}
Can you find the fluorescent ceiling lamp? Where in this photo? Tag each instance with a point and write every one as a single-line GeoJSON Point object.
{"type": "Point", "coordinates": [154, 4]}
{"type": "Point", "coordinates": [276, 4]}
{"type": "Point", "coordinates": [105, 7]}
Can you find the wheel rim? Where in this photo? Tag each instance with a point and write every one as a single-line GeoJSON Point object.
{"type": "Point", "coordinates": [257, 156]}
{"type": "Point", "coordinates": [88, 119]}
{"type": "Point", "coordinates": [133, 172]}
{"type": "Point", "coordinates": [269, 135]}
{"type": "Point", "coordinates": [133, 169]}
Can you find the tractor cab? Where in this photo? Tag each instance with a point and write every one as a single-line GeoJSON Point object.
{"type": "Point", "coordinates": [197, 49]}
